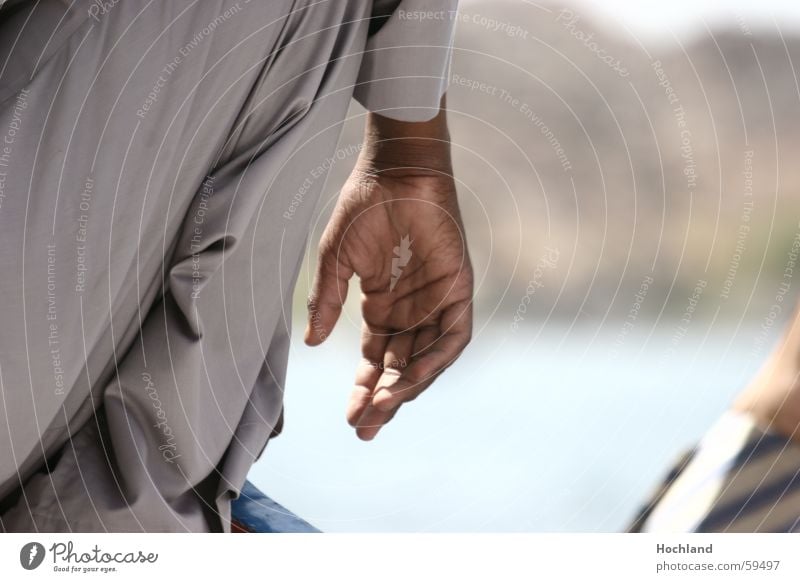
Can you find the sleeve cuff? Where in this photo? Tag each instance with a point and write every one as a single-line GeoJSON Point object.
{"type": "Point", "coordinates": [406, 64]}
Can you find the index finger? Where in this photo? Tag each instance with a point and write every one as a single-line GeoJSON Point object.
{"type": "Point", "coordinates": [437, 349]}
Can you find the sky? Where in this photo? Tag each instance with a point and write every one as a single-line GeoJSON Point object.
{"type": "Point", "coordinates": [661, 18]}
{"type": "Point", "coordinates": [653, 17]}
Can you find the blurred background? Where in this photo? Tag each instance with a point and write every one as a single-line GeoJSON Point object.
{"type": "Point", "coordinates": [629, 174]}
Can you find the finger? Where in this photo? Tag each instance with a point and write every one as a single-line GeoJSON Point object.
{"type": "Point", "coordinates": [367, 376]}
{"type": "Point", "coordinates": [396, 358]}
{"type": "Point", "coordinates": [360, 400]}
{"type": "Point", "coordinates": [373, 348]}
{"type": "Point", "coordinates": [372, 421]}
{"type": "Point", "coordinates": [456, 332]}
{"type": "Point", "coordinates": [367, 419]}
{"type": "Point", "coordinates": [412, 384]}
{"type": "Point", "coordinates": [328, 294]}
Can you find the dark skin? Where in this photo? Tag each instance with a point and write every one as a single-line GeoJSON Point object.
{"type": "Point", "coordinates": [402, 186]}
{"type": "Point", "coordinates": [417, 305]}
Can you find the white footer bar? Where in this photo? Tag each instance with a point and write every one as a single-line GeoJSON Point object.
{"type": "Point", "coordinates": [400, 557]}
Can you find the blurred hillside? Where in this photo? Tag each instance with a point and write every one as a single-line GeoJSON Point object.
{"type": "Point", "coordinates": [610, 162]}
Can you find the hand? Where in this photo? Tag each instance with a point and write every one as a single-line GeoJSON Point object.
{"type": "Point", "coordinates": [773, 397]}
{"type": "Point", "coordinates": [399, 229]}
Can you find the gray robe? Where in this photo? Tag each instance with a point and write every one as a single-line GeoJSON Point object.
{"type": "Point", "coordinates": [158, 175]}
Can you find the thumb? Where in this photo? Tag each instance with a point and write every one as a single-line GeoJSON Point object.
{"type": "Point", "coordinates": [328, 294]}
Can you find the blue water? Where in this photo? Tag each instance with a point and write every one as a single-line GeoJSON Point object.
{"type": "Point", "coordinates": [540, 430]}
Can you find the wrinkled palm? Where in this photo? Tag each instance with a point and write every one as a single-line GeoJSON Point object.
{"type": "Point", "coordinates": [404, 239]}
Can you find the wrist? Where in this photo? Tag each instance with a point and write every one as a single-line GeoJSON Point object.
{"type": "Point", "coordinates": [405, 149]}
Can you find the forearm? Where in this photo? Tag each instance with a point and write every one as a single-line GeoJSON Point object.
{"type": "Point", "coordinates": [773, 397]}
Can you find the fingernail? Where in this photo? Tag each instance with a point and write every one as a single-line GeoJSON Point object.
{"type": "Point", "coordinates": [383, 400]}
